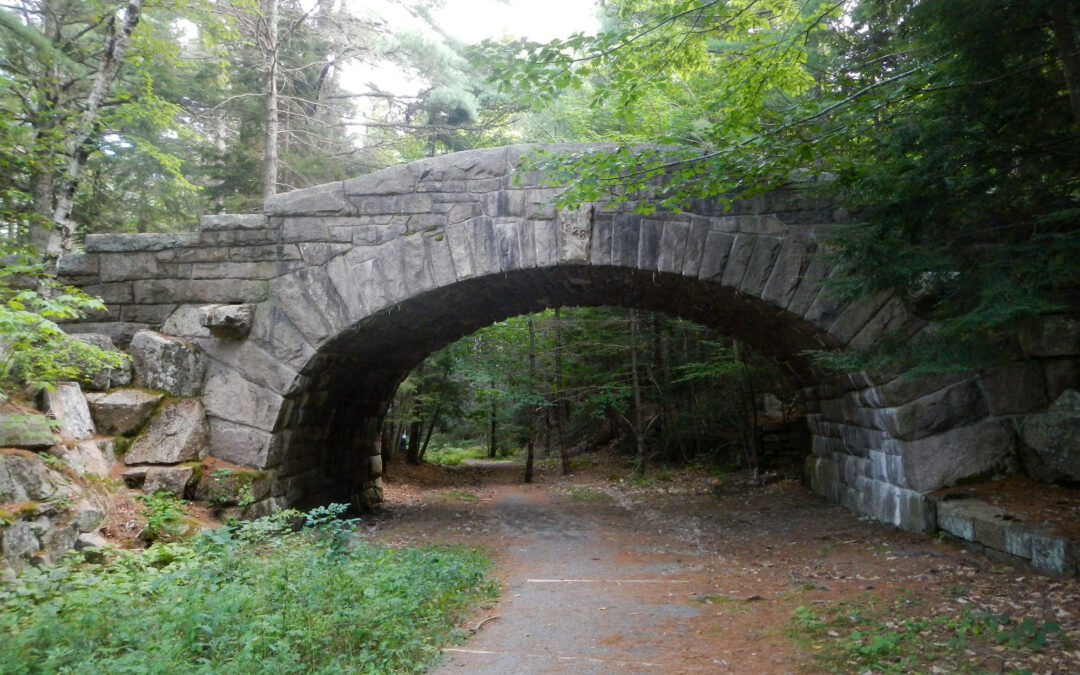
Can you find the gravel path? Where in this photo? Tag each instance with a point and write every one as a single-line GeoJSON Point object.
{"type": "Point", "coordinates": [600, 576]}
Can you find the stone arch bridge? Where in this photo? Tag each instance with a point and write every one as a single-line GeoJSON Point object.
{"type": "Point", "coordinates": [342, 288]}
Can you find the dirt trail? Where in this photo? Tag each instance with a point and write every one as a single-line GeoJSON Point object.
{"type": "Point", "coordinates": [600, 576]}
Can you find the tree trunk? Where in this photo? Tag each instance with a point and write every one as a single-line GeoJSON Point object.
{"type": "Point", "coordinates": [635, 383]}
{"type": "Point", "coordinates": [430, 429]}
{"type": "Point", "coordinates": [560, 402]}
{"type": "Point", "coordinates": [413, 453]}
{"type": "Point", "coordinates": [270, 110]}
{"type": "Point", "coordinates": [1064, 29]}
{"type": "Point", "coordinates": [531, 447]}
{"type": "Point", "coordinates": [81, 146]}
{"type": "Point", "coordinates": [492, 423]}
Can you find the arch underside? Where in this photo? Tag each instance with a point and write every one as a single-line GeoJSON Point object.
{"type": "Point", "coordinates": [328, 427]}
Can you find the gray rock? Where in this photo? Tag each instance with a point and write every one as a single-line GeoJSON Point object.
{"type": "Point", "coordinates": [1016, 388]}
{"type": "Point", "coordinates": [176, 434]}
{"type": "Point", "coordinates": [1054, 436]}
{"type": "Point", "coordinates": [87, 458]}
{"type": "Point", "coordinates": [24, 478]}
{"type": "Point", "coordinates": [57, 541]}
{"type": "Point", "coordinates": [125, 243]}
{"type": "Point", "coordinates": [25, 430]}
{"type": "Point", "coordinates": [135, 477]}
{"type": "Point", "coordinates": [167, 363]}
{"type": "Point", "coordinates": [172, 480]}
{"type": "Point", "coordinates": [108, 377]}
{"type": "Point", "coordinates": [1052, 336]}
{"type": "Point", "coordinates": [94, 547]}
{"type": "Point", "coordinates": [227, 321]}
{"type": "Point", "coordinates": [65, 402]}
{"type": "Point", "coordinates": [87, 516]}
{"type": "Point", "coordinates": [940, 461]}
{"type": "Point", "coordinates": [186, 322]}
{"type": "Point", "coordinates": [19, 542]}
{"type": "Point", "coordinates": [124, 411]}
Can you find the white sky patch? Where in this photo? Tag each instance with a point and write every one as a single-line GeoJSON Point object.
{"type": "Point", "coordinates": [472, 21]}
{"type": "Point", "coordinates": [539, 20]}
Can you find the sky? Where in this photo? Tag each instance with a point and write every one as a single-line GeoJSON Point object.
{"type": "Point", "coordinates": [540, 20]}
{"type": "Point", "coordinates": [475, 20]}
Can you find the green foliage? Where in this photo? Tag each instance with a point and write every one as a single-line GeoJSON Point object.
{"type": "Point", "coordinates": [34, 350]}
{"type": "Point", "coordinates": [858, 636]}
{"type": "Point", "coordinates": [258, 597]}
{"type": "Point", "coordinates": [164, 515]}
{"type": "Point", "coordinates": [453, 455]}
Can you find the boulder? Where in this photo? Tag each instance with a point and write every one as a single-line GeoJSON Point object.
{"type": "Point", "coordinates": [122, 412]}
{"type": "Point", "coordinates": [135, 477]}
{"type": "Point", "coordinates": [26, 430]}
{"type": "Point", "coordinates": [1054, 437]}
{"type": "Point", "coordinates": [18, 542]}
{"type": "Point", "coordinates": [105, 378]}
{"type": "Point", "coordinates": [87, 458]}
{"type": "Point", "coordinates": [25, 479]}
{"type": "Point", "coordinates": [167, 364]}
{"type": "Point", "coordinates": [93, 546]}
{"type": "Point", "coordinates": [227, 321]}
{"type": "Point", "coordinates": [172, 480]}
{"type": "Point", "coordinates": [177, 433]}
{"type": "Point", "coordinates": [65, 402]}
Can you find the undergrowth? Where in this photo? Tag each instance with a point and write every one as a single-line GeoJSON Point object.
{"type": "Point", "coordinates": [453, 455]}
{"type": "Point", "coordinates": [863, 637]}
{"type": "Point", "coordinates": [285, 594]}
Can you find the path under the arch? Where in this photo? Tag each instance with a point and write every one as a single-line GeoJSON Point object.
{"type": "Point", "coordinates": [601, 575]}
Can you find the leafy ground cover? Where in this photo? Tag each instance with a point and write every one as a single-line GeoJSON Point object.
{"type": "Point", "coordinates": [284, 594]}
{"type": "Point", "coordinates": [910, 634]}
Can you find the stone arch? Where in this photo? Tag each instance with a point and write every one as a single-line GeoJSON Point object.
{"type": "Point", "coordinates": [353, 283]}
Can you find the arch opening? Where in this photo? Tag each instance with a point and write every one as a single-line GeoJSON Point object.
{"type": "Point", "coordinates": [329, 425]}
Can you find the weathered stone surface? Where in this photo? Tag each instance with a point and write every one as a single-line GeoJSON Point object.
{"type": "Point", "coordinates": [185, 322]}
{"type": "Point", "coordinates": [167, 363]}
{"type": "Point", "coordinates": [128, 243]}
{"type": "Point", "coordinates": [941, 460]}
{"type": "Point", "coordinates": [227, 321]}
{"type": "Point", "coordinates": [240, 444]}
{"type": "Point", "coordinates": [329, 198]}
{"type": "Point", "coordinates": [172, 480]}
{"type": "Point", "coordinates": [1053, 336]}
{"type": "Point", "coordinates": [946, 408]}
{"type": "Point", "coordinates": [109, 377]}
{"type": "Point", "coordinates": [65, 403]}
{"type": "Point", "coordinates": [88, 458]}
{"type": "Point", "coordinates": [1054, 435]}
{"type": "Point", "coordinates": [122, 412]}
{"type": "Point", "coordinates": [229, 396]}
{"type": "Point", "coordinates": [135, 477]}
{"type": "Point", "coordinates": [26, 430]}
{"type": "Point", "coordinates": [574, 231]}
{"type": "Point", "coordinates": [177, 433]}
{"type": "Point", "coordinates": [19, 541]}
{"type": "Point", "coordinates": [1015, 388]}
{"type": "Point", "coordinates": [93, 546]}
{"type": "Point", "coordinates": [25, 478]}
{"type": "Point", "coordinates": [233, 221]}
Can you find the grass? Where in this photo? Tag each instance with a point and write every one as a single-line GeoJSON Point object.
{"type": "Point", "coordinates": [861, 636]}
{"type": "Point", "coordinates": [453, 455]}
{"type": "Point", "coordinates": [257, 597]}
{"type": "Point", "coordinates": [579, 493]}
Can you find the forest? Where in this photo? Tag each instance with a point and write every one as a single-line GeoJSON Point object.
{"type": "Point", "coordinates": [946, 133]}
{"type": "Point", "coordinates": [955, 154]}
